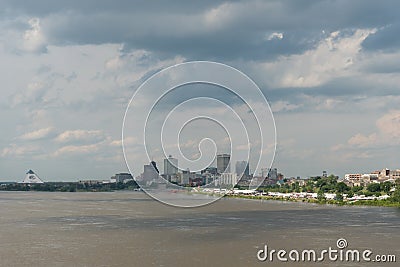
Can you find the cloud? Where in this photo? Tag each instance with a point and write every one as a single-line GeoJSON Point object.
{"type": "Point", "coordinates": [333, 57]}
{"type": "Point", "coordinates": [379, 62]}
{"type": "Point", "coordinates": [357, 155]}
{"type": "Point", "coordinates": [213, 29]}
{"type": "Point", "coordinates": [21, 151]}
{"type": "Point", "coordinates": [361, 140]}
{"type": "Point", "coordinates": [33, 38]}
{"type": "Point", "coordinates": [38, 134]}
{"type": "Point", "coordinates": [128, 141]}
{"type": "Point", "coordinates": [80, 136]}
{"type": "Point", "coordinates": [387, 134]}
{"type": "Point", "coordinates": [386, 39]}
{"type": "Point", "coordinates": [206, 30]}
{"type": "Point", "coordinates": [279, 106]}
{"type": "Point", "coordinates": [132, 66]}
{"type": "Point", "coordinates": [76, 150]}
{"type": "Point", "coordinates": [219, 17]}
{"type": "Point", "coordinates": [329, 68]}
{"type": "Point", "coordinates": [275, 35]}
{"type": "Point", "coordinates": [389, 124]}
{"type": "Point", "coordinates": [33, 93]}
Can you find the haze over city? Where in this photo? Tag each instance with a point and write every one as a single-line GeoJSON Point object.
{"type": "Point", "coordinates": [70, 68]}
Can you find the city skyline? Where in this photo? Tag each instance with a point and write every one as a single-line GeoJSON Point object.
{"type": "Point", "coordinates": [331, 80]}
{"type": "Point", "coordinates": [151, 170]}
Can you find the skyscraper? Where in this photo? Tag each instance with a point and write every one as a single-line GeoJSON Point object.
{"type": "Point", "coordinates": [242, 168]}
{"type": "Point", "coordinates": [223, 163]}
{"type": "Point", "coordinates": [170, 165]}
{"type": "Point", "coordinates": [155, 166]}
{"type": "Point", "coordinates": [273, 174]}
{"type": "Point", "coordinates": [150, 172]}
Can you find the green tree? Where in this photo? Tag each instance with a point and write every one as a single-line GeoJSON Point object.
{"type": "Point", "coordinates": [368, 193]}
{"type": "Point", "coordinates": [374, 187]}
{"type": "Point", "coordinates": [321, 195]}
{"type": "Point", "coordinates": [342, 187]}
{"type": "Point", "coordinates": [339, 197]}
{"type": "Point", "coordinates": [356, 189]}
{"type": "Point", "coordinates": [386, 186]}
{"type": "Point", "coordinates": [396, 195]}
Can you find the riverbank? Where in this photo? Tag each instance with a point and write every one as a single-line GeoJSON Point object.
{"type": "Point", "coordinates": [379, 203]}
{"type": "Point", "coordinates": [85, 186]}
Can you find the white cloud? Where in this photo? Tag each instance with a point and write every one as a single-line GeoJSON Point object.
{"type": "Point", "coordinates": [337, 147]}
{"type": "Point", "coordinates": [33, 93]}
{"type": "Point", "coordinates": [357, 155]}
{"type": "Point", "coordinates": [219, 16]}
{"type": "Point", "coordinates": [80, 135]}
{"type": "Point", "coordinates": [77, 150]}
{"type": "Point", "coordinates": [283, 106]}
{"type": "Point", "coordinates": [33, 38]}
{"type": "Point", "coordinates": [38, 134]}
{"type": "Point", "coordinates": [244, 147]}
{"type": "Point", "coordinates": [361, 140]}
{"type": "Point", "coordinates": [387, 134]}
{"type": "Point", "coordinates": [127, 141]}
{"type": "Point", "coordinates": [130, 67]}
{"type": "Point", "coordinates": [18, 151]}
{"type": "Point", "coordinates": [389, 124]}
{"type": "Point", "coordinates": [275, 35]}
{"type": "Point", "coordinates": [333, 57]}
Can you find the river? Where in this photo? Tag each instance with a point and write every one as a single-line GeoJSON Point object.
{"type": "Point", "coordinates": [131, 229]}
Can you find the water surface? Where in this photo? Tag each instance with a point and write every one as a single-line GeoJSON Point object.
{"type": "Point", "coordinates": [131, 229]}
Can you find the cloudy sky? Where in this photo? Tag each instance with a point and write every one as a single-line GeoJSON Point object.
{"type": "Point", "coordinates": [329, 69]}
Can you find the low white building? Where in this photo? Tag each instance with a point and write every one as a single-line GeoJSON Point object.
{"type": "Point", "coordinates": [227, 178]}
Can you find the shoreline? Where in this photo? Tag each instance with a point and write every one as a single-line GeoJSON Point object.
{"type": "Point", "coordinates": [369, 203]}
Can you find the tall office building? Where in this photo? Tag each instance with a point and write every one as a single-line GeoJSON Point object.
{"type": "Point", "coordinates": [185, 177]}
{"type": "Point", "coordinates": [150, 172]}
{"type": "Point", "coordinates": [273, 174]}
{"type": "Point", "coordinates": [264, 172]}
{"type": "Point", "coordinates": [223, 163]}
{"type": "Point", "coordinates": [170, 166]}
{"type": "Point", "coordinates": [154, 166]}
{"type": "Point", "coordinates": [242, 168]}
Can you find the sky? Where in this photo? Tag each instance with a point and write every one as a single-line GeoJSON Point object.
{"type": "Point", "coordinates": [329, 70]}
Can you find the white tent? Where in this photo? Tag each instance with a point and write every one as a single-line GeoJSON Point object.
{"type": "Point", "coordinates": [32, 178]}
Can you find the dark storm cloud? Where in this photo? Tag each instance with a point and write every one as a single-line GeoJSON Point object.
{"type": "Point", "coordinates": [387, 38]}
{"type": "Point", "coordinates": [238, 30]}
{"type": "Point", "coordinates": [46, 7]}
{"type": "Point", "coordinates": [175, 34]}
